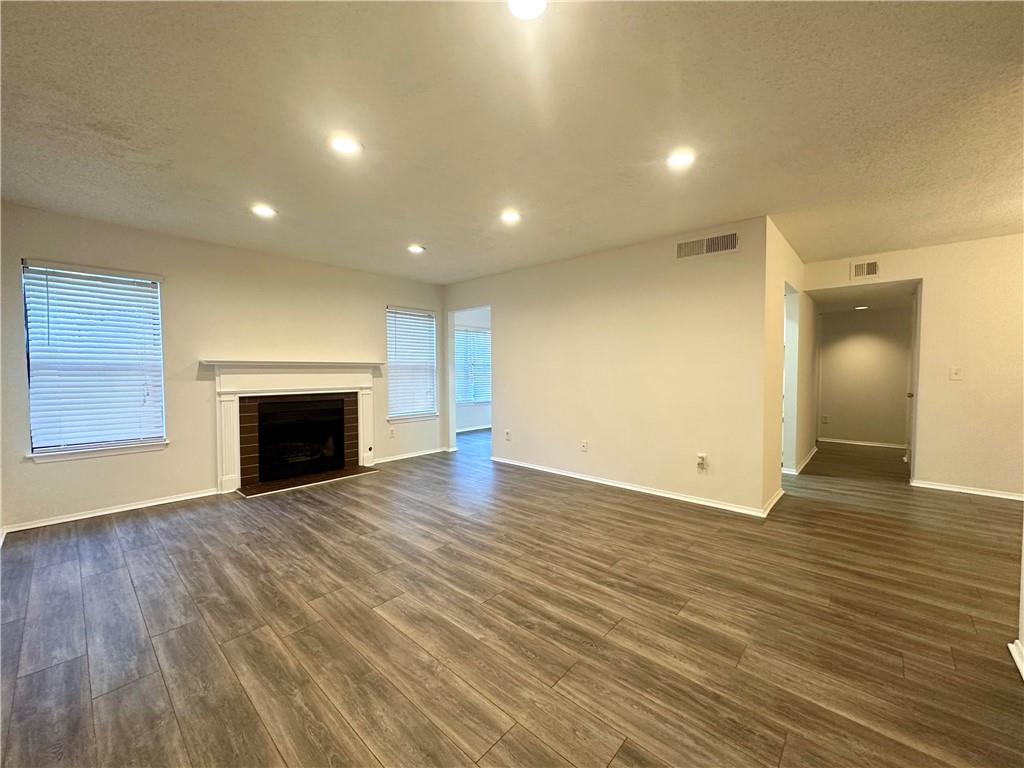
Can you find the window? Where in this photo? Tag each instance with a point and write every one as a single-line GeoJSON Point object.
{"type": "Point", "coordinates": [412, 363]}
{"type": "Point", "coordinates": [472, 365]}
{"type": "Point", "coordinates": [95, 359]}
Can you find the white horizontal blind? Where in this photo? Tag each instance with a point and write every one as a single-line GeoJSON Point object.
{"type": "Point", "coordinates": [95, 359]}
{"type": "Point", "coordinates": [412, 363]}
{"type": "Point", "coordinates": [472, 365]}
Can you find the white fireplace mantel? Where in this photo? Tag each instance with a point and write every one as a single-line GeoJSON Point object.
{"type": "Point", "coordinates": [238, 378]}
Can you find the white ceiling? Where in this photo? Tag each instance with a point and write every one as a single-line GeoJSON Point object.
{"type": "Point", "coordinates": [875, 296]}
{"type": "Point", "coordinates": [860, 127]}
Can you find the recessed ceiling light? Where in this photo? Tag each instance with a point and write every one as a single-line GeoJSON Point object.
{"type": "Point", "coordinates": [416, 248]}
{"type": "Point", "coordinates": [527, 9]}
{"type": "Point", "coordinates": [263, 210]}
{"type": "Point", "coordinates": [511, 216]}
{"type": "Point", "coordinates": [860, 307]}
{"type": "Point", "coordinates": [681, 159]}
{"type": "Point", "coordinates": [344, 144]}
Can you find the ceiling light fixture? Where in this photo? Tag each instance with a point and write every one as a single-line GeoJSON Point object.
{"type": "Point", "coordinates": [860, 307]}
{"type": "Point", "coordinates": [344, 144]}
{"type": "Point", "coordinates": [527, 9]}
{"type": "Point", "coordinates": [416, 248]}
{"type": "Point", "coordinates": [681, 159]}
{"type": "Point", "coordinates": [511, 216]}
{"type": "Point", "coordinates": [263, 210]}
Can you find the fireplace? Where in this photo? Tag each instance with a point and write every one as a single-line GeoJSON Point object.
{"type": "Point", "coordinates": [291, 440]}
{"type": "Point", "coordinates": [242, 385]}
{"type": "Point", "coordinates": [300, 438]}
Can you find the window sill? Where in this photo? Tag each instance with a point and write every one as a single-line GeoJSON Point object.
{"type": "Point", "coordinates": [474, 402]}
{"type": "Point", "coordinates": [403, 419]}
{"type": "Point", "coordinates": [88, 453]}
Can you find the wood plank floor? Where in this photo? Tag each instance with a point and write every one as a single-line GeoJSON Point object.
{"type": "Point", "coordinates": [447, 611]}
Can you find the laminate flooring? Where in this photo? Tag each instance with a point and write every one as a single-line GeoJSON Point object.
{"type": "Point", "coordinates": [450, 611]}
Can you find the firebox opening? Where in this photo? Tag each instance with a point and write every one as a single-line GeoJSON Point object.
{"type": "Point", "coordinates": [300, 438]}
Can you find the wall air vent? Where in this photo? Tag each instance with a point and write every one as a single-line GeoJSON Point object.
{"type": "Point", "coordinates": [862, 269]}
{"type": "Point", "coordinates": [713, 244]}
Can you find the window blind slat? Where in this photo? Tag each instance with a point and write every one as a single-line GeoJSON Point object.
{"type": "Point", "coordinates": [472, 365]}
{"type": "Point", "coordinates": [95, 359]}
{"type": "Point", "coordinates": [412, 363]}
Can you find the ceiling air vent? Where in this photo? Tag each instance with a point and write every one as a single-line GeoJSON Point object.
{"type": "Point", "coordinates": [862, 269]}
{"type": "Point", "coordinates": [713, 244]}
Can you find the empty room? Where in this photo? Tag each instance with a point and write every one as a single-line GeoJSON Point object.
{"type": "Point", "coordinates": [512, 384]}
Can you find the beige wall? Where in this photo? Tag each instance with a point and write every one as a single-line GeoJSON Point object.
{"type": "Point", "coordinates": [218, 302]}
{"type": "Point", "coordinates": [649, 358]}
{"type": "Point", "coordinates": [472, 416]}
{"type": "Point", "coordinates": [865, 358]}
{"type": "Point", "coordinates": [968, 432]}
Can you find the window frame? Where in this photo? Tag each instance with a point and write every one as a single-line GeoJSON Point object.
{"type": "Point", "coordinates": [414, 416]}
{"type": "Point", "coordinates": [96, 448]}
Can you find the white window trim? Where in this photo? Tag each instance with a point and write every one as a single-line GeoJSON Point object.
{"type": "Point", "coordinates": [85, 269]}
{"type": "Point", "coordinates": [417, 417]}
{"type": "Point", "coordinates": [71, 454]}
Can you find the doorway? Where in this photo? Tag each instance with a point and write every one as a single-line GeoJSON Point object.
{"type": "Point", "coordinates": [867, 373]}
{"type": "Point", "coordinates": [470, 376]}
{"type": "Point", "coordinates": [790, 379]}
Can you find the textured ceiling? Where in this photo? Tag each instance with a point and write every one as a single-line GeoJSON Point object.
{"type": "Point", "coordinates": [896, 295]}
{"type": "Point", "coordinates": [860, 127]}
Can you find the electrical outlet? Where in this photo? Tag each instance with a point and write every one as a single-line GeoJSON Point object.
{"type": "Point", "coordinates": [702, 461]}
{"type": "Point", "coordinates": [824, 419]}
{"type": "Point", "coordinates": [583, 445]}
{"type": "Point", "coordinates": [391, 431]}
{"type": "Point", "coordinates": [508, 434]}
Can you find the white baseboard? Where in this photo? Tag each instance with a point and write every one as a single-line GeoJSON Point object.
{"type": "Point", "coordinates": [472, 429]}
{"type": "Point", "coordinates": [452, 449]}
{"type": "Point", "coordinates": [1017, 652]}
{"type": "Point", "coordinates": [802, 464]}
{"type": "Point", "coordinates": [111, 510]}
{"type": "Point", "coordinates": [967, 489]}
{"type": "Point", "coordinates": [861, 442]}
{"type": "Point", "coordinates": [772, 502]}
{"type": "Point", "coordinates": [643, 488]}
{"type": "Point", "coordinates": [401, 456]}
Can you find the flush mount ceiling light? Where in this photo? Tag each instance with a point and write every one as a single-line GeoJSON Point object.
{"type": "Point", "coordinates": [511, 216]}
{"type": "Point", "coordinates": [860, 307]}
{"type": "Point", "coordinates": [680, 159]}
{"type": "Point", "coordinates": [344, 144]}
{"type": "Point", "coordinates": [416, 248]}
{"type": "Point", "coordinates": [527, 9]}
{"type": "Point", "coordinates": [263, 210]}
